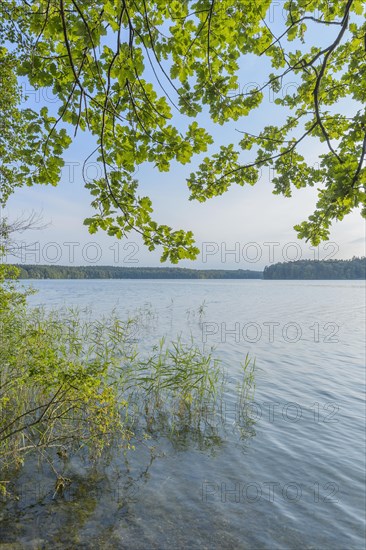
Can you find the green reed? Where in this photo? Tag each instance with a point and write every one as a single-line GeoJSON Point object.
{"type": "Point", "coordinates": [73, 384]}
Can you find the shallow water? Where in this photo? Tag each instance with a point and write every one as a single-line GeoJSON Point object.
{"type": "Point", "coordinates": [294, 479]}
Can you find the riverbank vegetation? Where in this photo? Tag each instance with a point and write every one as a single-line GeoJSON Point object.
{"type": "Point", "coordinates": [72, 385]}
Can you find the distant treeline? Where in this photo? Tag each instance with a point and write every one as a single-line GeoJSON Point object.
{"type": "Point", "coordinates": [313, 269]}
{"type": "Point", "coordinates": [113, 272]}
{"type": "Point", "coordinates": [302, 269]}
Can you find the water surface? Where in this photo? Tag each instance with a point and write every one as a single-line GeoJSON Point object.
{"type": "Point", "coordinates": [295, 479]}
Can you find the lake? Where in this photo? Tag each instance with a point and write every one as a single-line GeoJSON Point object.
{"type": "Point", "coordinates": [293, 478]}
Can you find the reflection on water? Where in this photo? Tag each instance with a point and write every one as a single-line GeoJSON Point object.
{"type": "Point", "coordinates": [100, 498]}
{"type": "Point", "coordinates": [286, 472]}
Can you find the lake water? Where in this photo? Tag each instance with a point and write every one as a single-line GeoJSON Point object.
{"type": "Point", "coordinates": [295, 479]}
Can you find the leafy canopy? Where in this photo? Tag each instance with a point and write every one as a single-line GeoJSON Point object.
{"type": "Point", "coordinates": [127, 70]}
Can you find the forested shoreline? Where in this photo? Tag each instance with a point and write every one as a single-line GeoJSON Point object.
{"type": "Point", "coordinates": [314, 269]}
{"type": "Point", "coordinates": [302, 269]}
{"type": "Point", "coordinates": [115, 272]}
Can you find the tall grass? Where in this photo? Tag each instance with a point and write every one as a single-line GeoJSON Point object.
{"type": "Point", "coordinates": [72, 384]}
{"type": "Point", "coordinates": [174, 386]}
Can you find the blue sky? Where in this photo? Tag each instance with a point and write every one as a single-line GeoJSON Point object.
{"type": "Point", "coordinates": [244, 221]}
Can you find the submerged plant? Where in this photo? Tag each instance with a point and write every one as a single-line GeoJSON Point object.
{"type": "Point", "coordinates": [73, 384]}
{"type": "Point", "coordinates": [176, 384]}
